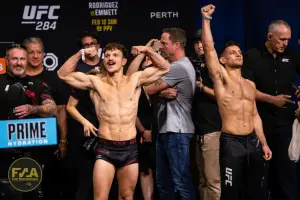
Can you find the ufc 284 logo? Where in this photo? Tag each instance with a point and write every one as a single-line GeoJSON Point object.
{"type": "Point", "coordinates": [228, 174]}
{"type": "Point", "coordinates": [44, 17]}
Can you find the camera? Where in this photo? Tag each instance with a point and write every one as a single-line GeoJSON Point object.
{"type": "Point", "coordinates": [90, 143]}
{"type": "Point", "coordinates": [198, 64]}
{"type": "Point", "coordinates": [16, 97]}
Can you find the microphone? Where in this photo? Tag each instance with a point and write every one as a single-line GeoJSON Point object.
{"type": "Point", "coordinates": [16, 97]}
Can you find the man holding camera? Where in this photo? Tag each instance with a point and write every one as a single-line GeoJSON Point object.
{"type": "Point", "coordinates": [208, 126]}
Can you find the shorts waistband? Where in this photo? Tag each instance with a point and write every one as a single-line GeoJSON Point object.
{"type": "Point", "coordinates": [224, 134]}
{"type": "Point", "coordinates": [114, 143]}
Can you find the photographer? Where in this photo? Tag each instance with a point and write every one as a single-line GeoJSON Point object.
{"type": "Point", "coordinates": [84, 120]}
{"type": "Point", "coordinates": [208, 126]}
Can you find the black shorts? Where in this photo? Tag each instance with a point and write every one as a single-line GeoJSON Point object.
{"type": "Point", "coordinates": [118, 153]}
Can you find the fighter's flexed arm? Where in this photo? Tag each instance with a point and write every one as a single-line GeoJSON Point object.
{"type": "Point", "coordinates": [76, 79]}
{"type": "Point", "coordinates": [217, 72]}
{"type": "Point", "coordinates": [151, 74]}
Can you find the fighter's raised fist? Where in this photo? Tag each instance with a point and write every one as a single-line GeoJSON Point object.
{"type": "Point", "coordinates": [91, 51]}
{"type": "Point", "coordinates": [136, 50]}
{"type": "Point", "coordinates": [208, 10]}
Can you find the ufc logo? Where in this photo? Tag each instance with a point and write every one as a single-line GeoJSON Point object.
{"type": "Point", "coordinates": [228, 174]}
{"type": "Point", "coordinates": [36, 12]}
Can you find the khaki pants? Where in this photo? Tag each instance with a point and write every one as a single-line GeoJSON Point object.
{"type": "Point", "coordinates": [207, 159]}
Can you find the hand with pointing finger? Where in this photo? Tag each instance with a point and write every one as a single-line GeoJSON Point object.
{"type": "Point", "coordinates": [281, 100]}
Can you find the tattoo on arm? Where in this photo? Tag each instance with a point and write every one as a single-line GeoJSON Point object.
{"type": "Point", "coordinates": [47, 109]}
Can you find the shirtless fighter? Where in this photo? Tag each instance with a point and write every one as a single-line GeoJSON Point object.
{"type": "Point", "coordinates": [116, 101]}
{"type": "Point", "coordinates": [242, 140]}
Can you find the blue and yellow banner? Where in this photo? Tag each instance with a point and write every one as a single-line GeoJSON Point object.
{"type": "Point", "coordinates": [28, 133]}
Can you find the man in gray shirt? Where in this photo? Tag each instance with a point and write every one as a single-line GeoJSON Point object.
{"type": "Point", "coordinates": [175, 125]}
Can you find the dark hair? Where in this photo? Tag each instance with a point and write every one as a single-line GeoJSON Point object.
{"type": "Point", "coordinates": [91, 34]}
{"type": "Point", "coordinates": [118, 46]}
{"type": "Point", "coordinates": [197, 36]}
{"type": "Point", "coordinates": [229, 44]}
{"type": "Point", "coordinates": [176, 35]}
{"type": "Point", "coordinates": [15, 46]}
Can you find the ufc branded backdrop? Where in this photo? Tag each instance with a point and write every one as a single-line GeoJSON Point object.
{"type": "Point", "coordinates": [59, 23]}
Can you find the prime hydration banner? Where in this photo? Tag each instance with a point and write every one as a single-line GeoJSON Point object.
{"type": "Point", "coordinates": [28, 133]}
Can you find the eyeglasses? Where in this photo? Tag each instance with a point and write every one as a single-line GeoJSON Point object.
{"type": "Point", "coordinates": [92, 44]}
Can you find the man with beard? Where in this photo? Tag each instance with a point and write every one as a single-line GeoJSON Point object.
{"type": "Point", "coordinates": [32, 98]}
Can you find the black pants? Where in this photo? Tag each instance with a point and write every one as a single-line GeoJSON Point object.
{"type": "Point", "coordinates": [81, 162]}
{"type": "Point", "coordinates": [242, 168]}
{"type": "Point", "coordinates": [282, 173]}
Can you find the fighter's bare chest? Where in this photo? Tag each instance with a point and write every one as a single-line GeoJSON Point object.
{"type": "Point", "coordinates": [122, 94]}
{"type": "Point", "coordinates": [241, 91]}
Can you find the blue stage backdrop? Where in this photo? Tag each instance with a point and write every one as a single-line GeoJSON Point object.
{"type": "Point", "coordinates": [246, 21]}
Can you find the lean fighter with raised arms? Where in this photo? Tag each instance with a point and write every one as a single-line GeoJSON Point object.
{"type": "Point", "coordinates": [242, 140]}
{"type": "Point", "coordinates": [116, 101]}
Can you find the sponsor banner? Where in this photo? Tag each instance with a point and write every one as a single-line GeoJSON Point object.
{"type": "Point", "coordinates": [60, 23]}
{"type": "Point", "coordinates": [28, 133]}
{"type": "Point", "coordinates": [42, 17]}
{"type": "Point", "coordinates": [2, 66]}
{"type": "Point", "coordinates": [25, 174]}
{"type": "Point", "coordinates": [104, 15]}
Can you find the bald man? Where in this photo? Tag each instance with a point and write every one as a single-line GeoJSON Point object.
{"type": "Point", "coordinates": [273, 68]}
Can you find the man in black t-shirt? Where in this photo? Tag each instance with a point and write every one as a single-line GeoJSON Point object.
{"type": "Point", "coordinates": [36, 70]}
{"type": "Point", "coordinates": [208, 126]}
{"type": "Point", "coordinates": [80, 99]}
{"type": "Point", "coordinates": [38, 101]}
{"type": "Point", "coordinates": [22, 97]}
{"type": "Point", "coordinates": [274, 68]}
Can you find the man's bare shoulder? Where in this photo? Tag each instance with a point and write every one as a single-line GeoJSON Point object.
{"type": "Point", "coordinates": [134, 77]}
{"type": "Point", "coordinates": [97, 77]}
{"type": "Point", "coordinates": [251, 83]}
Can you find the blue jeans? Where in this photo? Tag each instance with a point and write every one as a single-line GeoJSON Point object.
{"type": "Point", "coordinates": [173, 166]}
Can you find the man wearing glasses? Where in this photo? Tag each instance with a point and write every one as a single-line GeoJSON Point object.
{"type": "Point", "coordinates": [80, 99]}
